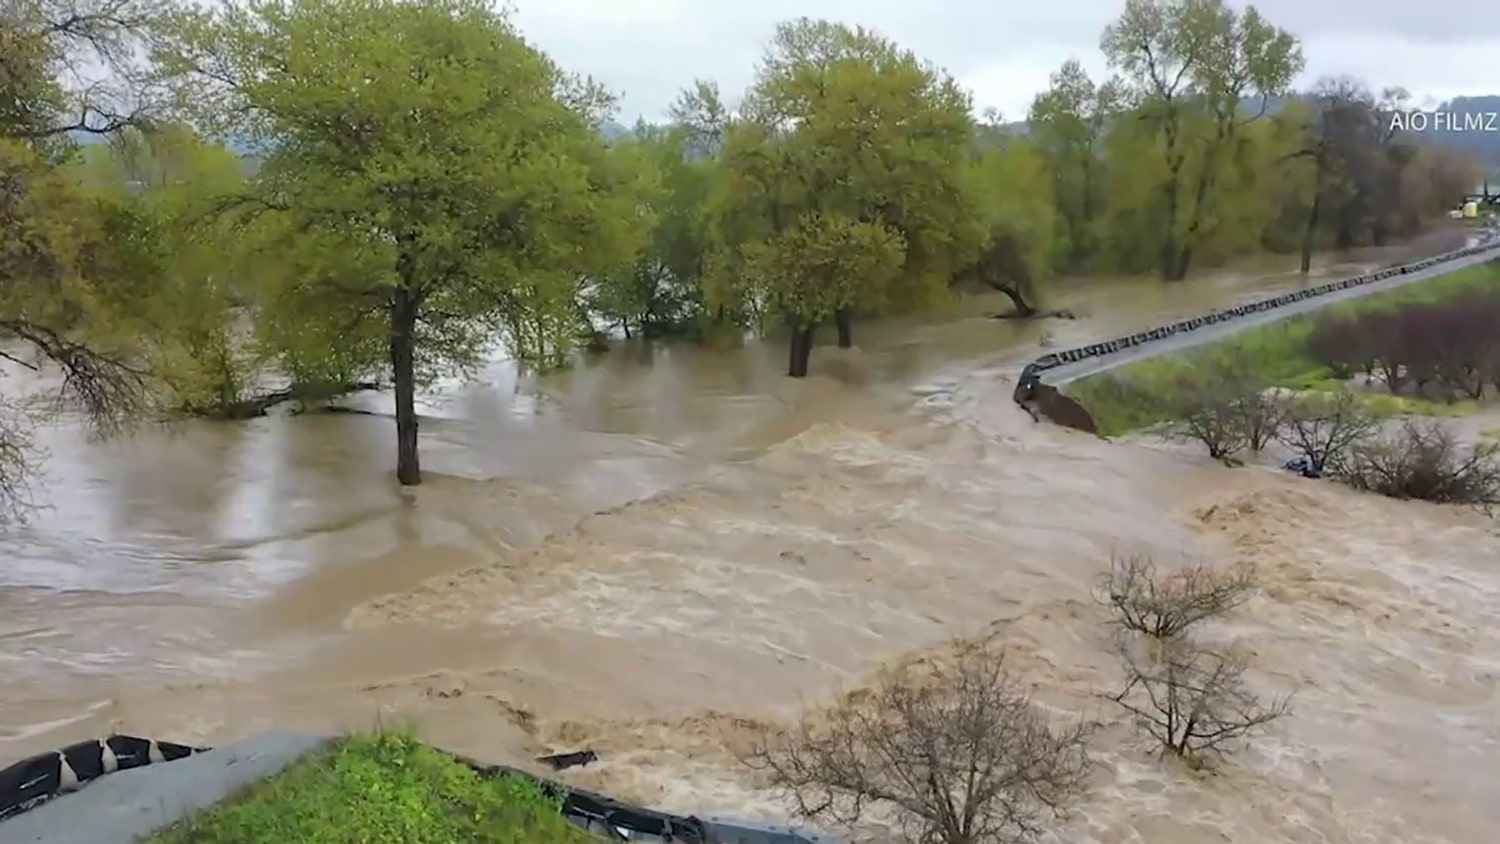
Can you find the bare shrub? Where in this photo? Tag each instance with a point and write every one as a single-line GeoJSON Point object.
{"type": "Point", "coordinates": [1445, 347]}
{"type": "Point", "coordinates": [1225, 408]}
{"type": "Point", "coordinates": [1343, 344]}
{"type": "Point", "coordinates": [1386, 334]}
{"type": "Point", "coordinates": [1421, 326]}
{"type": "Point", "coordinates": [1190, 700]}
{"type": "Point", "coordinates": [1205, 415]}
{"type": "Point", "coordinates": [1162, 606]}
{"type": "Point", "coordinates": [954, 746]}
{"type": "Point", "coordinates": [1461, 338]}
{"type": "Point", "coordinates": [1260, 414]}
{"type": "Point", "coordinates": [1481, 316]}
{"type": "Point", "coordinates": [1424, 461]}
{"type": "Point", "coordinates": [1448, 347]}
{"type": "Point", "coordinates": [1323, 427]}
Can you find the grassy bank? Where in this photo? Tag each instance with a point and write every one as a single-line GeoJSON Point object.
{"type": "Point", "coordinates": [1130, 397]}
{"type": "Point", "coordinates": [381, 789]}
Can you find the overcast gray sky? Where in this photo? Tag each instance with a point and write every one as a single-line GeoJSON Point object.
{"type": "Point", "coordinates": [1002, 50]}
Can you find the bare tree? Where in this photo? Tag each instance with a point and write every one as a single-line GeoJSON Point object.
{"type": "Point", "coordinates": [1260, 414]}
{"type": "Point", "coordinates": [1425, 461]}
{"type": "Point", "coordinates": [1190, 700]}
{"type": "Point", "coordinates": [1345, 344]}
{"type": "Point", "coordinates": [1324, 427]}
{"type": "Point", "coordinates": [1164, 606]}
{"type": "Point", "coordinates": [954, 746]}
{"type": "Point", "coordinates": [19, 462]}
{"type": "Point", "coordinates": [82, 64]}
{"type": "Point", "coordinates": [1340, 118]}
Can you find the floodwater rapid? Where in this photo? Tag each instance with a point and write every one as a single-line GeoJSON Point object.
{"type": "Point", "coordinates": [652, 553]}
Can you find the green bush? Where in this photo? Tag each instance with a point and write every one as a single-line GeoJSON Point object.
{"type": "Point", "coordinates": [386, 788]}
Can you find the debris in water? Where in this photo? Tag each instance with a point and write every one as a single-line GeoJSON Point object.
{"type": "Point", "coordinates": [564, 761]}
{"type": "Point", "coordinates": [1302, 466]}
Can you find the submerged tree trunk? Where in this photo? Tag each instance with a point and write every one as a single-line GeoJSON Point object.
{"type": "Point", "coordinates": [1309, 235]}
{"type": "Point", "coordinates": [1024, 309]}
{"type": "Point", "coordinates": [801, 349]}
{"type": "Point", "coordinates": [403, 376]}
{"type": "Point", "coordinates": [236, 409]}
{"type": "Point", "coordinates": [1184, 259]}
{"type": "Point", "coordinates": [1201, 197]}
{"type": "Point", "coordinates": [1170, 249]}
{"type": "Point", "coordinates": [844, 319]}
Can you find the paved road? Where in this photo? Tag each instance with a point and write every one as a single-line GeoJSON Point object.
{"type": "Point", "coordinates": [1090, 366]}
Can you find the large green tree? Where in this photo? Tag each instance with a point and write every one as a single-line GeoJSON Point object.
{"type": "Point", "coordinates": [1192, 66]}
{"type": "Point", "coordinates": [1017, 219]}
{"type": "Point", "coordinates": [446, 180]}
{"type": "Point", "coordinates": [658, 294]}
{"type": "Point", "coordinates": [1069, 122]}
{"type": "Point", "coordinates": [193, 271]}
{"type": "Point", "coordinates": [844, 139]}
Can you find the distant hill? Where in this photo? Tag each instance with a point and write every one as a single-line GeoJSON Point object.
{"type": "Point", "coordinates": [1483, 145]}
{"type": "Point", "coordinates": [1481, 136]}
{"type": "Point", "coordinates": [1478, 136]}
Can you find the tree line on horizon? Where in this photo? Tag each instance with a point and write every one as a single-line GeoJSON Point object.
{"type": "Point", "coordinates": [427, 183]}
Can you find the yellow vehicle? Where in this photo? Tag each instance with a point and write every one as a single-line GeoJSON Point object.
{"type": "Point", "coordinates": [1471, 210]}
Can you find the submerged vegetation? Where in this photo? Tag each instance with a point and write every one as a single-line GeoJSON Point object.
{"type": "Point", "coordinates": [337, 195]}
{"type": "Point", "coordinates": [385, 788]}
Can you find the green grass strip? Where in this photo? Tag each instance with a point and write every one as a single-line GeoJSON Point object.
{"type": "Point", "coordinates": [386, 788]}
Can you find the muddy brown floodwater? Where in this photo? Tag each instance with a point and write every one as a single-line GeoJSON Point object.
{"type": "Point", "coordinates": [654, 551]}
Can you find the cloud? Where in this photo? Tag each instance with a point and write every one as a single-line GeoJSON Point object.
{"type": "Point", "coordinates": [648, 50]}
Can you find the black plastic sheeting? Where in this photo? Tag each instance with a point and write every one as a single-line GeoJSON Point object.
{"type": "Point", "coordinates": [1107, 347]}
{"type": "Point", "coordinates": [604, 815]}
{"type": "Point", "coordinates": [610, 818]}
{"type": "Point", "coordinates": [33, 781]}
